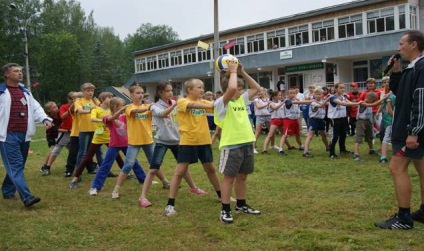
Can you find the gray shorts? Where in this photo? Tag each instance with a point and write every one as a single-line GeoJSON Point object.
{"type": "Point", "coordinates": [62, 140]}
{"type": "Point", "coordinates": [263, 119]}
{"type": "Point", "coordinates": [237, 160]}
{"type": "Point", "coordinates": [364, 128]}
{"type": "Point", "coordinates": [388, 135]}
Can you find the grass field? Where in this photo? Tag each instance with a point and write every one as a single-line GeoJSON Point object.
{"type": "Point", "coordinates": [306, 204]}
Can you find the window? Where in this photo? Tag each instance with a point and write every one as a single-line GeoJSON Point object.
{"type": "Point", "coordinates": [350, 26]}
{"type": "Point", "coordinates": [163, 60]}
{"type": "Point", "coordinates": [413, 17]}
{"type": "Point", "coordinates": [189, 55]}
{"type": "Point", "coordinates": [381, 20]}
{"type": "Point", "coordinates": [176, 58]}
{"type": "Point", "coordinates": [323, 31]}
{"type": "Point", "coordinates": [299, 35]}
{"type": "Point", "coordinates": [238, 48]}
{"type": "Point", "coordinates": [402, 20]}
{"type": "Point", "coordinates": [140, 65]}
{"type": "Point", "coordinates": [203, 55]}
{"type": "Point", "coordinates": [276, 39]}
{"type": "Point", "coordinates": [255, 43]}
{"type": "Point", "coordinates": [220, 49]}
{"type": "Point", "coordinates": [151, 63]}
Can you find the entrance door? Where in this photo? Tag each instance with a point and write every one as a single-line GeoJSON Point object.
{"type": "Point", "coordinates": [296, 80]}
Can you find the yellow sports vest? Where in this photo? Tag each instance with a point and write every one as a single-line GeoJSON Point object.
{"type": "Point", "coordinates": [236, 127]}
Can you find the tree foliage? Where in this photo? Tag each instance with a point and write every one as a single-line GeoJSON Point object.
{"type": "Point", "coordinates": [67, 48]}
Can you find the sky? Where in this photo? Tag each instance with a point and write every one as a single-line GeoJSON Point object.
{"type": "Point", "coordinates": [193, 18]}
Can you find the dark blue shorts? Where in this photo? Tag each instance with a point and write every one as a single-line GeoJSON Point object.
{"type": "Point", "coordinates": [401, 150]}
{"type": "Point", "coordinates": [191, 154]}
{"type": "Point", "coordinates": [316, 124]}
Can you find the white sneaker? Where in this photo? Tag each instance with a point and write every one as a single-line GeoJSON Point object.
{"type": "Point", "coordinates": [254, 150]}
{"type": "Point", "coordinates": [115, 195]}
{"type": "Point", "coordinates": [92, 191]}
{"type": "Point", "coordinates": [170, 210]}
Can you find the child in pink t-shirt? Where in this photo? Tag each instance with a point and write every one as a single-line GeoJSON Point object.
{"type": "Point", "coordinates": [117, 125]}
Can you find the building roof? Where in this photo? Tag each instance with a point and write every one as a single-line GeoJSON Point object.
{"type": "Point", "coordinates": [303, 15]}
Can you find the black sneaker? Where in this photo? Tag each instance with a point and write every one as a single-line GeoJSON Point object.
{"type": "Point", "coordinates": [346, 152]}
{"type": "Point", "coordinates": [301, 148]}
{"type": "Point", "coordinates": [45, 170]}
{"type": "Point", "coordinates": [291, 147]}
{"type": "Point", "coordinates": [247, 210]}
{"type": "Point", "coordinates": [308, 155]}
{"type": "Point", "coordinates": [32, 201]}
{"type": "Point", "coordinates": [68, 174]}
{"type": "Point", "coordinates": [373, 153]}
{"type": "Point", "coordinates": [418, 216]}
{"type": "Point", "coordinates": [226, 217]}
{"type": "Point", "coordinates": [264, 153]}
{"type": "Point", "coordinates": [333, 156]}
{"type": "Point", "coordinates": [282, 153]}
{"type": "Point", "coordinates": [395, 222]}
{"type": "Point", "coordinates": [384, 161]}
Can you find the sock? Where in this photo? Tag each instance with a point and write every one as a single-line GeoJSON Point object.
{"type": "Point", "coordinates": [116, 189]}
{"type": "Point", "coordinates": [171, 202]}
{"type": "Point", "coordinates": [383, 157]}
{"type": "Point", "coordinates": [422, 208]}
{"type": "Point", "coordinates": [241, 203]}
{"type": "Point", "coordinates": [226, 207]}
{"type": "Point", "coordinates": [218, 193]}
{"type": "Point", "coordinates": [405, 212]}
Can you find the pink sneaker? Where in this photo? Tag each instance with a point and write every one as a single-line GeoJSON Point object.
{"type": "Point", "coordinates": [144, 202]}
{"type": "Point", "coordinates": [197, 191]}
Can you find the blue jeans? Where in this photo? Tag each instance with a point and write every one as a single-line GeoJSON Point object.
{"type": "Point", "coordinates": [132, 153]}
{"type": "Point", "coordinates": [104, 169]}
{"type": "Point", "coordinates": [159, 154]}
{"type": "Point", "coordinates": [14, 152]}
{"type": "Point", "coordinates": [84, 140]}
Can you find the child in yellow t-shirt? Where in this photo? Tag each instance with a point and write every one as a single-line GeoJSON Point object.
{"type": "Point", "coordinates": [195, 142]}
{"type": "Point", "coordinates": [101, 137]}
{"type": "Point", "coordinates": [83, 107]}
{"type": "Point", "coordinates": [140, 135]}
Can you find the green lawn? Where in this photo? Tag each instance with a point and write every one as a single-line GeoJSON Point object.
{"type": "Point", "coordinates": [306, 204]}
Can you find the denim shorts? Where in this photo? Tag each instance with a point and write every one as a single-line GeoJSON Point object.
{"type": "Point", "coordinates": [159, 154]}
{"type": "Point", "coordinates": [191, 154]}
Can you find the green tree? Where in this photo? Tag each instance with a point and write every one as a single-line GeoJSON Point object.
{"type": "Point", "coordinates": [57, 67]}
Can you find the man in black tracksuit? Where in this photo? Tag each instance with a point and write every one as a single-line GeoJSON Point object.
{"type": "Point", "coordinates": [407, 128]}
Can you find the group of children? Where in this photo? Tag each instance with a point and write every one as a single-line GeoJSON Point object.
{"type": "Point", "coordinates": [88, 123]}
{"type": "Point", "coordinates": [283, 114]}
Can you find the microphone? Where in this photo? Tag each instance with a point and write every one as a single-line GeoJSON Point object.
{"type": "Point", "coordinates": [396, 56]}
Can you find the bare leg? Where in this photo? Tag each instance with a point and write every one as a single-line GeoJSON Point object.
{"type": "Point", "coordinates": [226, 188]}
{"type": "Point", "coordinates": [399, 170]}
{"type": "Point", "coordinates": [241, 187]}
{"type": "Point", "coordinates": [213, 178]}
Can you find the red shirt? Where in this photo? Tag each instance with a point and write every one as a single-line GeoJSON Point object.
{"type": "Point", "coordinates": [18, 121]}
{"type": "Point", "coordinates": [353, 110]}
{"type": "Point", "coordinates": [66, 122]}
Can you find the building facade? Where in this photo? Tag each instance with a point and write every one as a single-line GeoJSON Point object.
{"type": "Point", "coordinates": [343, 43]}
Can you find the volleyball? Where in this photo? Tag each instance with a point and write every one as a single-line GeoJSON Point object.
{"type": "Point", "coordinates": [221, 63]}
